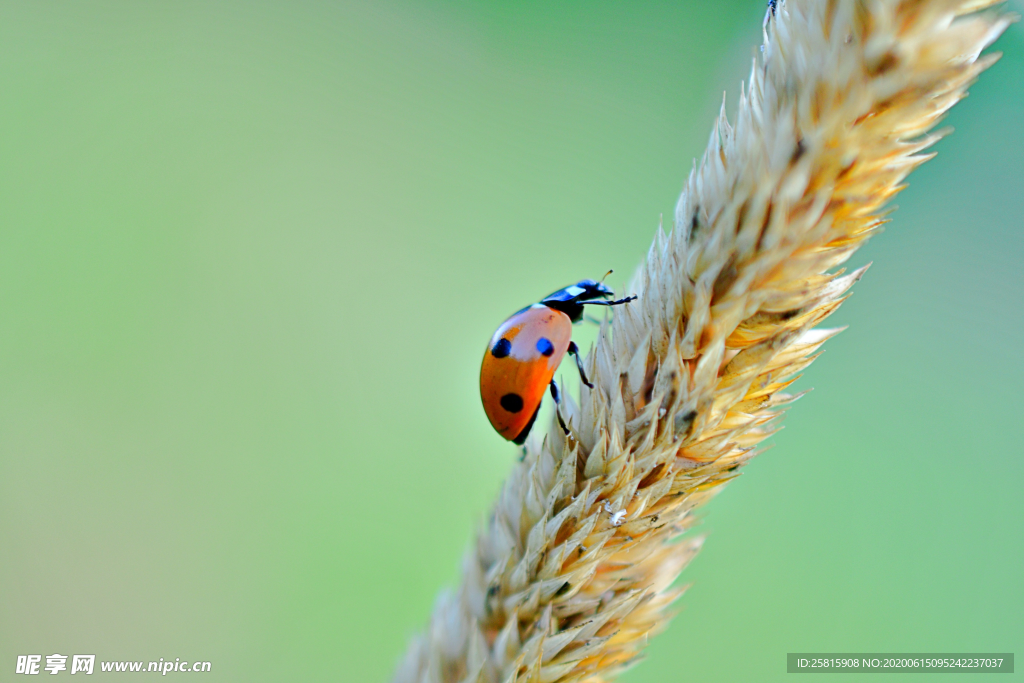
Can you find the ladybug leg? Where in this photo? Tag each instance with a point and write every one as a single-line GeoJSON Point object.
{"type": "Point", "coordinates": [574, 351]}
{"type": "Point", "coordinates": [609, 303]}
{"type": "Point", "coordinates": [558, 401]}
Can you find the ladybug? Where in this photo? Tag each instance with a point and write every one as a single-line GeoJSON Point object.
{"type": "Point", "coordinates": [520, 361]}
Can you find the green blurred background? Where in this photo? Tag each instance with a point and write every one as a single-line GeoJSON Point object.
{"type": "Point", "coordinates": [251, 254]}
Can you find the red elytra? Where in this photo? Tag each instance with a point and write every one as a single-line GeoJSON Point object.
{"type": "Point", "coordinates": [521, 359]}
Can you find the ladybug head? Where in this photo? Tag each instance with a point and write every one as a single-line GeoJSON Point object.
{"type": "Point", "coordinates": [570, 300]}
{"type": "Point", "coordinates": [590, 289]}
{"type": "Point", "coordinates": [584, 290]}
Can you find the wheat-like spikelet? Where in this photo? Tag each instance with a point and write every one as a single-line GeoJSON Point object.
{"type": "Point", "coordinates": [573, 570]}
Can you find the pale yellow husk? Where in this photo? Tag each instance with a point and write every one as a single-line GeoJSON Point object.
{"type": "Point", "coordinates": [574, 569]}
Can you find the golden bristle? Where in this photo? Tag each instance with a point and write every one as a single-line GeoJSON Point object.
{"type": "Point", "coordinates": [574, 569]}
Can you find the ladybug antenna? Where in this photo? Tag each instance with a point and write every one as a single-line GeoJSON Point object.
{"type": "Point", "coordinates": [606, 275]}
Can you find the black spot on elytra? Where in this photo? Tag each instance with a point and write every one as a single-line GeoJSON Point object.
{"type": "Point", "coordinates": [502, 348]}
{"type": "Point", "coordinates": [545, 347]}
{"type": "Point", "coordinates": [513, 403]}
